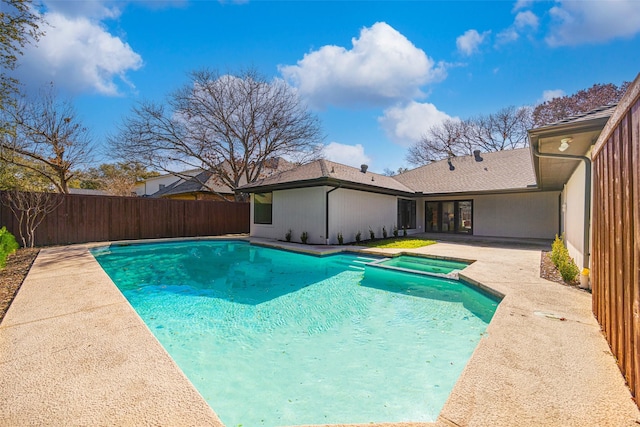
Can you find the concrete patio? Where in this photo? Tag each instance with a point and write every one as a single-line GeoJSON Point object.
{"type": "Point", "coordinates": [73, 351]}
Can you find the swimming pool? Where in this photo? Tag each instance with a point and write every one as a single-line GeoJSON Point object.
{"type": "Point", "coordinates": [270, 337]}
{"type": "Point", "coordinates": [434, 266]}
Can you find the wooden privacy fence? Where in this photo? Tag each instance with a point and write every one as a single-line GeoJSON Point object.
{"type": "Point", "coordinates": [616, 235]}
{"type": "Point", "coordinates": [82, 219]}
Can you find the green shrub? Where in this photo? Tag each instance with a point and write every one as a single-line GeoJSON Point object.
{"type": "Point", "coordinates": [304, 237]}
{"type": "Point", "coordinates": [288, 236]}
{"type": "Point", "coordinates": [340, 238]}
{"type": "Point", "coordinates": [384, 232]}
{"type": "Point", "coordinates": [372, 234]}
{"type": "Point", "coordinates": [404, 231]}
{"type": "Point", "coordinates": [558, 250]}
{"type": "Point", "coordinates": [8, 245]}
{"type": "Point", "coordinates": [568, 270]}
{"type": "Point", "coordinates": [395, 231]}
{"type": "Point", "coordinates": [563, 261]}
{"type": "Point", "coordinates": [358, 237]}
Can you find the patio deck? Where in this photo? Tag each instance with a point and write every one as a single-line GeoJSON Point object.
{"type": "Point", "coordinates": [73, 351]}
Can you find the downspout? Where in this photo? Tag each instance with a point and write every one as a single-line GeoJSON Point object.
{"type": "Point", "coordinates": [326, 217]}
{"type": "Point", "coordinates": [587, 197]}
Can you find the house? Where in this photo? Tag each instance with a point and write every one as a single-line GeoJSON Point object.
{"type": "Point", "coordinates": [154, 184]}
{"type": "Point", "coordinates": [534, 192]}
{"type": "Point", "coordinates": [562, 161]}
{"type": "Point", "coordinates": [199, 184]}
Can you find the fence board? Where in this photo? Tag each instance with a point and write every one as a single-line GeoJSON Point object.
{"type": "Point", "coordinates": [82, 219]}
{"type": "Point", "coordinates": [616, 236]}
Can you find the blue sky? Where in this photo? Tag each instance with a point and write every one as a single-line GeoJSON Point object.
{"type": "Point", "coordinates": [377, 74]}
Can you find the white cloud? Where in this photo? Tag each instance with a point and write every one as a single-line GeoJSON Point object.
{"type": "Point", "coordinates": [524, 22]}
{"type": "Point", "coordinates": [548, 95]}
{"type": "Point", "coordinates": [526, 19]}
{"type": "Point", "coordinates": [581, 22]}
{"type": "Point", "coordinates": [78, 54]}
{"type": "Point", "coordinates": [351, 155]}
{"type": "Point", "coordinates": [507, 36]}
{"type": "Point", "coordinates": [470, 41]}
{"type": "Point", "coordinates": [98, 9]}
{"type": "Point", "coordinates": [381, 67]}
{"type": "Point", "coordinates": [522, 4]}
{"type": "Point", "coordinates": [406, 124]}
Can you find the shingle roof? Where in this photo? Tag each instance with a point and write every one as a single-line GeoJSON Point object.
{"type": "Point", "coordinates": [328, 172]}
{"type": "Point", "coordinates": [207, 182]}
{"type": "Point", "coordinates": [498, 171]}
{"type": "Point", "coordinates": [507, 170]}
{"type": "Point", "coordinates": [602, 112]}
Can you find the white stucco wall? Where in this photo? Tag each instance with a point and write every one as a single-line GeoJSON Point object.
{"type": "Point", "coordinates": [523, 215]}
{"type": "Point", "coordinates": [351, 211]}
{"type": "Point", "coordinates": [298, 210]}
{"type": "Point", "coordinates": [573, 214]}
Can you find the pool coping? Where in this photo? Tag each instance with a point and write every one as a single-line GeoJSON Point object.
{"type": "Point", "coordinates": [74, 352]}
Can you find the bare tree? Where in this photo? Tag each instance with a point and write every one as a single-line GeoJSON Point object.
{"type": "Point", "coordinates": [19, 26]}
{"type": "Point", "coordinates": [447, 139]}
{"type": "Point", "coordinates": [503, 130]}
{"type": "Point", "coordinates": [580, 102]}
{"type": "Point", "coordinates": [46, 137]}
{"type": "Point", "coordinates": [229, 125]}
{"type": "Point", "coordinates": [30, 209]}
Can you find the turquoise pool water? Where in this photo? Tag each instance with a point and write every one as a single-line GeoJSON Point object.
{"type": "Point", "coordinates": [426, 265]}
{"type": "Point", "coordinates": [270, 337]}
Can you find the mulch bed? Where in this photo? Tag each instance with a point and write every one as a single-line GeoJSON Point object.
{"type": "Point", "coordinates": [550, 272]}
{"type": "Point", "coordinates": [12, 276]}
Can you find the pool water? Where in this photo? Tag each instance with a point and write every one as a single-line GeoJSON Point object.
{"type": "Point", "coordinates": [425, 265]}
{"type": "Point", "coordinates": [270, 337]}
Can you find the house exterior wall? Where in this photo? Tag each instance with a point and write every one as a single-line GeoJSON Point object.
{"type": "Point", "coordinates": [351, 211]}
{"type": "Point", "coordinates": [523, 215]}
{"type": "Point", "coordinates": [152, 185]}
{"type": "Point", "coordinates": [573, 214]}
{"type": "Point", "coordinates": [298, 210]}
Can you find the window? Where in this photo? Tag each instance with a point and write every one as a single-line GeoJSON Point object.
{"type": "Point", "coordinates": [406, 214]}
{"type": "Point", "coordinates": [262, 206]}
{"type": "Point", "coordinates": [453, 216]}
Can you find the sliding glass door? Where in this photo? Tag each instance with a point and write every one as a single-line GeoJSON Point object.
{"type": "Point", "coordinates": [450, 216]}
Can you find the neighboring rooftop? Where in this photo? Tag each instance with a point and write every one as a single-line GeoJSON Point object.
{"type": "Point", "coordinates": [207, 182]}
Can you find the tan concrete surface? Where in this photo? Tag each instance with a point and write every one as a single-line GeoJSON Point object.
{"type": "Point", "coordinates": [73, 351]}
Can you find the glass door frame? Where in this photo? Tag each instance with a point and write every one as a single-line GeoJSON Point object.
{"type": "Point", "coordinates": [457, 221]}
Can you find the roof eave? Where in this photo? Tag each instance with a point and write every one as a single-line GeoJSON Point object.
{"type": "Point", "coordinates": [328, 181]}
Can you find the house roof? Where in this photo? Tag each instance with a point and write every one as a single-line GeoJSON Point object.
{"type": "Point", "coordinates": [325, 172]}
{"type": "Point", "coordinates": [496, 172]}
{"type": "Point", "coordinates": [207, 182]}
{"type": "Point", "coordinates": [581, 132]}
{"type": "Point", "coordinates": [508, 170]}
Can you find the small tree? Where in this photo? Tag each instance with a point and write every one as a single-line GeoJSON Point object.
{"type": "Point", "coordinates": [46, 136]}
{"type": "Point", "coordinates": [19, 26]}
{"type": "Point", "coordinates": [117, 179]}
{"type": "Point", "coordinates": [30, 209]}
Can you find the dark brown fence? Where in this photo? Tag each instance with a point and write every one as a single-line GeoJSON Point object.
{"type": "Point", "coordinates": [616, 235]}
{"type": "Point", "coordinates": [81, 219]}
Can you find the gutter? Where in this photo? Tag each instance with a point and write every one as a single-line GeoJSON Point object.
{"type": "Point", "coordinates": [587, 197]}
{"type": "Point", "coordinates": [326, 216]}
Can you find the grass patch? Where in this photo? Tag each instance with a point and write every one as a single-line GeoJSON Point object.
{"type": "Point", "coordinates": [399, 243]}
